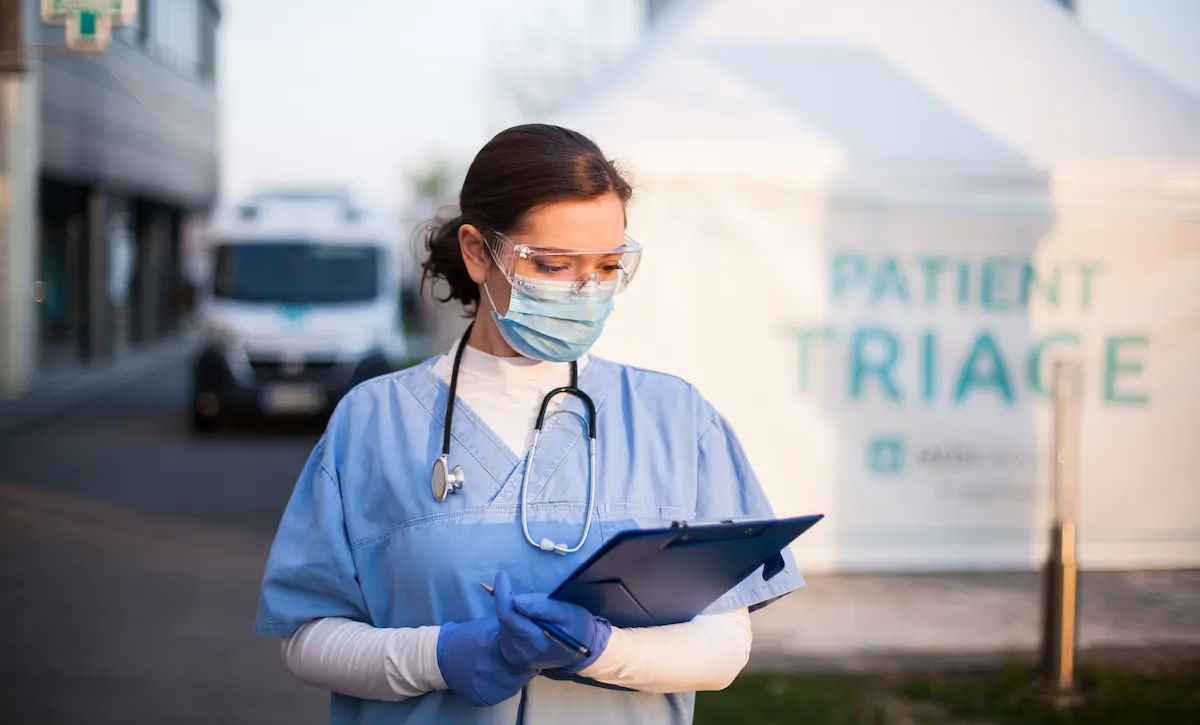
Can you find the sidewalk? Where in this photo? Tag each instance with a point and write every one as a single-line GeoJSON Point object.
{"type": "Point", "coordinates": [60, 385]}
{"type": "Point", "coordinates": [837, 623]}
{"type": "Point", "coordinates": [858, 623]}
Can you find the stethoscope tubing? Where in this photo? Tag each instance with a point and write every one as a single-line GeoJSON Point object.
{"type": "Point", "coordinates": [589, 421]}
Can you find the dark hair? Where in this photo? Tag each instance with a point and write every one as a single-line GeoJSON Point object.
{"type": "Point", "coordinates": [520, 170]}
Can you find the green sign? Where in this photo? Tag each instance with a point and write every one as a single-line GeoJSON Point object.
{"type": "Point", "coordinates": [88, 23]}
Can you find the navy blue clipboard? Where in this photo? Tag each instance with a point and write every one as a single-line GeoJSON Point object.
{"type": "Point", "coordinates": [651, 577]}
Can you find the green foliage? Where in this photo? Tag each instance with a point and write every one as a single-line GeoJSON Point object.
{"type": "Point", "coordinates": [432, 182]}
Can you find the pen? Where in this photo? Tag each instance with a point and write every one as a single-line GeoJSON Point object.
{"type": "Point", "coordinates": [552, 631]}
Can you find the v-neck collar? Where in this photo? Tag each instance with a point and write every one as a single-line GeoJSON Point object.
{"type": "Point", "coordinates": [470, 435]}
{"type": "Point", "coordinates": [563, 432]}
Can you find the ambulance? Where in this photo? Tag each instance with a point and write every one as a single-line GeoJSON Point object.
{"type": "Point", "coordinates": [303, 302]}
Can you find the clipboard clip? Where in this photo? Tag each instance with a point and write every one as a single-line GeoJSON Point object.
{"type": "Point", "coordinates": [684, 524]}
{"type": "Point", "coordinates": [771, 568]}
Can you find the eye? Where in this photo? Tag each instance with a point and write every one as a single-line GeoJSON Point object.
{"type": "Point", "coordinates": [550, 268]}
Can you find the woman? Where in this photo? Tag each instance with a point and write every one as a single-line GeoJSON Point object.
{"type": "Point", "coordinates": [374, 580]}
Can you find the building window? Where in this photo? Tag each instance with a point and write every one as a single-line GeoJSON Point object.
{"type": "Point", "coordinates": [208, 40]}
{"type": "Point", "coordinates": [172, 29]}
{"type": "Point", "coordinates": [137, 31]}
{"type": "Point", "coordinates": [177, 30]}
{"type": "Point", "coordinates": [180, 34]}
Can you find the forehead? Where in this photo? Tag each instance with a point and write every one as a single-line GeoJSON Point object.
{"type": "Point", "coordinates": [594, 224]}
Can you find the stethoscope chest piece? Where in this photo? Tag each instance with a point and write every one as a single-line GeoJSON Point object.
{"type": "Point", "coordinates": [445, 480]}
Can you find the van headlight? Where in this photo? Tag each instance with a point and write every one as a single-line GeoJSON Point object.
{"type": "Point", "coordinates": [358, 342]}
{"type": "Point", "coordinates": [223, 335]}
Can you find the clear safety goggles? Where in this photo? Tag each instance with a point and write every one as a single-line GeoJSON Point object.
{"type": "Point", "coordinates": [563, 271]}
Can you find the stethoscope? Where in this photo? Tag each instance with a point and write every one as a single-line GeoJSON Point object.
{"type": "Point", "coordinates": [446, 481]}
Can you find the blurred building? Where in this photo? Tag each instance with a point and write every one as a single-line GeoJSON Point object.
{"type": "Point", "coordinates": [654, 8]}
{"type": "Point", "coordinates": [127, 161]}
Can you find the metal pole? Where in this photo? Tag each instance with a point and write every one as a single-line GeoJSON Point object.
{"type": "Point", "coordinates": [12, 38]}
{"type": "Point", "coordinates": [1061, 613]}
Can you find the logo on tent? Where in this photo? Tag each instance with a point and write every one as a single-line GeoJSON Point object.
{"type": "Point", "coordinates": [886, 454]}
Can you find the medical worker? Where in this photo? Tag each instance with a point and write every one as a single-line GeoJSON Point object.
{"type": "Point", "coordinates": [374, 579]}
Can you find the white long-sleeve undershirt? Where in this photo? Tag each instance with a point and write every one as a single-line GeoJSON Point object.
{"type": "Point", "coordinates": [373, 663]}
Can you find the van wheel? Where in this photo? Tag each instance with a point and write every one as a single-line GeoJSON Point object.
{"type": "Point", "coordinates": [204, 424]}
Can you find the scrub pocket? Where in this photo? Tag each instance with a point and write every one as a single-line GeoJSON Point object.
{"type": "Point", "coordinates": [618, 517]}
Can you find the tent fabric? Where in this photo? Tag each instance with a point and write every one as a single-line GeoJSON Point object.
{"type": "Point", "coordinates": [807, 89]}
{"type": "Point", "coordinates": [871, 228]}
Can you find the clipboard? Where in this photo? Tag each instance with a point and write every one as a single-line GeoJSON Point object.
{"type": "Point", "coordinates": [652, 577]}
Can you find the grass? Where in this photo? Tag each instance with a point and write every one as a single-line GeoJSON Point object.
{"type": "Point", "coordinates": [1110, 696]}
{"type": "Point", "coordinates": [778, 699]}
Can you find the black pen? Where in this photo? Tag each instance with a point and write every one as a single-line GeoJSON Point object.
{"type": "Point", "coordinates": [552, 631]}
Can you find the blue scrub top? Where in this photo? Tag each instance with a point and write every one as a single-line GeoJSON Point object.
{"type": "Point", "coordinates": [362, 536]}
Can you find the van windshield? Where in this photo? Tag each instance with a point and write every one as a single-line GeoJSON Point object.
{"type": "Point", "coordinates": [297, 272]}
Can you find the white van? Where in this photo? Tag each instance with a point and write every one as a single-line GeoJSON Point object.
{"type": "Point", "coordinates": [303, 302]}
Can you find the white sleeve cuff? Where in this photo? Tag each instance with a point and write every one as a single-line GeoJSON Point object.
{"type": "Point", "coordinates": [359, 660]}
{"type": "Point", "coordinates": [706, 653]}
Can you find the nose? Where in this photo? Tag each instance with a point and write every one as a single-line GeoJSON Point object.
{"type": "Point", "coordinates": [585, 281]}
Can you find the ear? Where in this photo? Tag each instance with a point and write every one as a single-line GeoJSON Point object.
{"type": "Point", "coordinates": [474, 254]}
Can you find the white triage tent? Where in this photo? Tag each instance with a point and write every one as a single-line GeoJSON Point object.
{"type": "Point", "coordinates": [872, 227]}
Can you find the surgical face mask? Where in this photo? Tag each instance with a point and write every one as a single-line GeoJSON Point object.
{"type": "Point", "coordinates": [552, 321]}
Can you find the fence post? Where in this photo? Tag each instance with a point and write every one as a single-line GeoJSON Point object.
{"type": "Point", "coordinates": [1060, 617]}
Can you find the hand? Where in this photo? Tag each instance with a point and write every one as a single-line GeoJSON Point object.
{"type": "Point", "coordinates": [468, 655]}
{"type": "Point", "coordinates": [525, 646]}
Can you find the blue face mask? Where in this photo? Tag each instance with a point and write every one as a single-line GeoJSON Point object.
{"type": "Point", "coordinates": [552, 326]}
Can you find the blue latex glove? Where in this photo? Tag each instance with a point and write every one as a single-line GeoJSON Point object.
{"type": "Point", "coordinates": [525, 646]}
{"type": "Point", "coordinates": [468, 655]}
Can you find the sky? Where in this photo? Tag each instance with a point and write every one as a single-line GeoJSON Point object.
{"type": "Point", "coordinates": [310, 94]}
{"type": "Point", "coordinates": [1163, 35]}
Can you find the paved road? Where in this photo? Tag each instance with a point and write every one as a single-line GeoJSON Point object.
{"type": "Point", "coordinates": [130, 557]}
